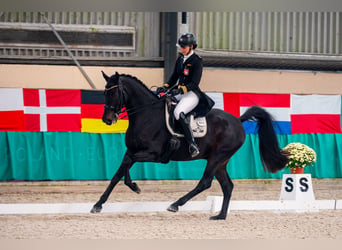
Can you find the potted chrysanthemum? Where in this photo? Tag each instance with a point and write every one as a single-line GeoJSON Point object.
{"type": "Point", "coordinates": [300, 156]}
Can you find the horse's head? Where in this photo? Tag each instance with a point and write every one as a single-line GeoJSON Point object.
{"type": "Point", "coordinates": [113, 99]}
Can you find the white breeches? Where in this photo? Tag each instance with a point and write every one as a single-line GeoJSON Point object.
{"type": "Point", "coordinates": [187, 103]}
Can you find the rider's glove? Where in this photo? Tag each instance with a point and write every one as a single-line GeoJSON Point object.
{"type": "Point", "coordinates": [175, 92]}
{"type": "Point", "coordinates": [183, 88]}
{"type": "Point", "coordinates": [161, 90]}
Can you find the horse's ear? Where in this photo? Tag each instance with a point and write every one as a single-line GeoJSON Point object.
{"type": "Point", "coordinates": [105, 76]}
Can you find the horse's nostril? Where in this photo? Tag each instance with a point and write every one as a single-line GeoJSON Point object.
{"type": "Point", "coordinates": [107, 121]}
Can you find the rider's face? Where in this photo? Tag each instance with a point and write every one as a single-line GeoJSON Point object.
{"type": "Point", "coordinates": [184, 50]}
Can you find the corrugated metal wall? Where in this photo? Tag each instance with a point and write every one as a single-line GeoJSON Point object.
{"type": "Point", "coordinates": [147, 24]}
{"type": "Point", "coordinates": [279, 32]}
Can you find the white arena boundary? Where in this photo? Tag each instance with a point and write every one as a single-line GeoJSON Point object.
{"type": "Point", "coordinates": [211, 205]}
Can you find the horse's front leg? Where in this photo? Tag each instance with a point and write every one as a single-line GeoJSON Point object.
{"type": "Point", "coordinates": [126, 164]}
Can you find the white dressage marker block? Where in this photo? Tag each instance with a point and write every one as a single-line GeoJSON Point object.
{"type": "Point", "coordinates": [298, 187]}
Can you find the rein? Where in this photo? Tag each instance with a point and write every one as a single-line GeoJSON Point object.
{"type": "Point", "coordinates": [132, 110]}
{"type": "Point", "coordinates": [137, 109]}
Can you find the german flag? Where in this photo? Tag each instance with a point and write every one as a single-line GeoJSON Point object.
{"type": "Point", "coordinates": [92, 107]}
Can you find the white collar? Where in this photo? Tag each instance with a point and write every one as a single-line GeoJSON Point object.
{"type": "Point", "coordinates": [187, 56]}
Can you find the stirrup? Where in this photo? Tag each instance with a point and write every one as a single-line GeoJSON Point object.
{"type": "Point", "coordinates": [193, 149]}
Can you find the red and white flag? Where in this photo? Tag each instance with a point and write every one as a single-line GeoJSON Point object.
{"type": "Point", "coordinates": [11, 109]}
{"type": "Point", "coordinates": [278, 105]}
{"type": "Point", "coordinates": [316, 114]}
{"type": "Point", "coordinates": [52, 110]}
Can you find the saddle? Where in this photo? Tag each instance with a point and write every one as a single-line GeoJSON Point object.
{"type": "Point", "coordinates": [198, 125]}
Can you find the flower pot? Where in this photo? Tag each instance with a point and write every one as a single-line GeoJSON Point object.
{"type": "Point", "coordinates": [297, 170]}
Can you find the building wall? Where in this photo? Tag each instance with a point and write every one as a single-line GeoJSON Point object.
{"type": "Point", "coordinates": [146, 25]}
{"type": "Point", "coordinates": [266, 81]}
{"type": "Point", "coordinates": [69, 77]}
{"type": "Point", "coordinates": [277, 32]}
{"type": "Point", "coordinates": [213, 79]}
{"type": "Point", "coordinates": [303, 33]}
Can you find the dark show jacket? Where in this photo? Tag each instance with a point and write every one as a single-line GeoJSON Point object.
{"type": "Point", "coordinates": [189, 74]}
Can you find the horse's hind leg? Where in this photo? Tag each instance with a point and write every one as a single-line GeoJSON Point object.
{"type": "Point", "coordinates": [204, 184]}
{"type": "Point", "coordinates": [227, 188]}
{"type": "Point", "coordinates": [126, 164]}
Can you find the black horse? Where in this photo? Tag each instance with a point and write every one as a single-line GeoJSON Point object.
{"type": "Point", "coordinates": [147, 139]}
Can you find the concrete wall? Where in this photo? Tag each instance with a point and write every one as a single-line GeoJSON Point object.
{"type": "Point", "coordinates": [214, 79]}
{"type": "Point", "coordinates": [69, 77]}
{"type": "Point", "coordinates": [263, 81]}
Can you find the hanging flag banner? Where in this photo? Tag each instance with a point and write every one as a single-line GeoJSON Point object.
{"type": "Point", "coordinates": [52, 110]}
{"type": "Point", "coordinates": [278, 105]}
{"type": "Point", "coordinates": [82, 110]}
{"type": "Point", "coordinates": [92, 107]}
{"type": "Point", "coordinates": [11, 110]}
{"type": "Point", "coordinates": [218, 99]}
{"type": "Point", "coordinates": [316, 114]}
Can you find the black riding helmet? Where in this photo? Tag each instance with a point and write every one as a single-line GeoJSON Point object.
{"type": "Point", "coordinates": [187, 39]}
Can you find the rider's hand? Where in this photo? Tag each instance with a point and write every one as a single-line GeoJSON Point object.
{"type": "Point", "coordinates": [161, 90]}
{"type": "Point", "coordinates": [175, 92]}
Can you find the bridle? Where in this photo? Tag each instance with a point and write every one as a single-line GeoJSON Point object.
{"type": "Point", "coordinates": [120, 110]}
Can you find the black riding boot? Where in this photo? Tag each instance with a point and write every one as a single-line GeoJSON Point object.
{"type": "Point", "coordinates": [193, 148]}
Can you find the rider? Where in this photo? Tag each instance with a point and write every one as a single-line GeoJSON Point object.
{"type": "Point", "coordinates": [187, 73]}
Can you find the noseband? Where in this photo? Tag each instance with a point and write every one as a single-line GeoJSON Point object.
{"type": "Point", "coordinates": [118, 111]}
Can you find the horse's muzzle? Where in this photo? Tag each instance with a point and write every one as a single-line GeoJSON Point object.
{"type": "Point", "coordinates": [110, 120]}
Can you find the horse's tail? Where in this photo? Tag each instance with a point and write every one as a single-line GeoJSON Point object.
{"type": "Point", "coordinates": [273, 158]}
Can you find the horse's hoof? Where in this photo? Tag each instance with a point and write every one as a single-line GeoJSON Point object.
{"type": "Point", "coordinates": [96, 210]}
{"type": "Point", "coordinates": [217, 217]}
{"type": "Point", "coordinates": [136, 188]}
{"type": "Point", "coordinates": [172, 208]}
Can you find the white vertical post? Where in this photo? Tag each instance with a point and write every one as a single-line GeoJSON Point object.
{"type": "Point", "coordinates": [184, 25]}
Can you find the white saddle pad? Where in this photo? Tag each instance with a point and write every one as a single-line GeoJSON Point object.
{"type": "Point", "coordinates": [198, 125]}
